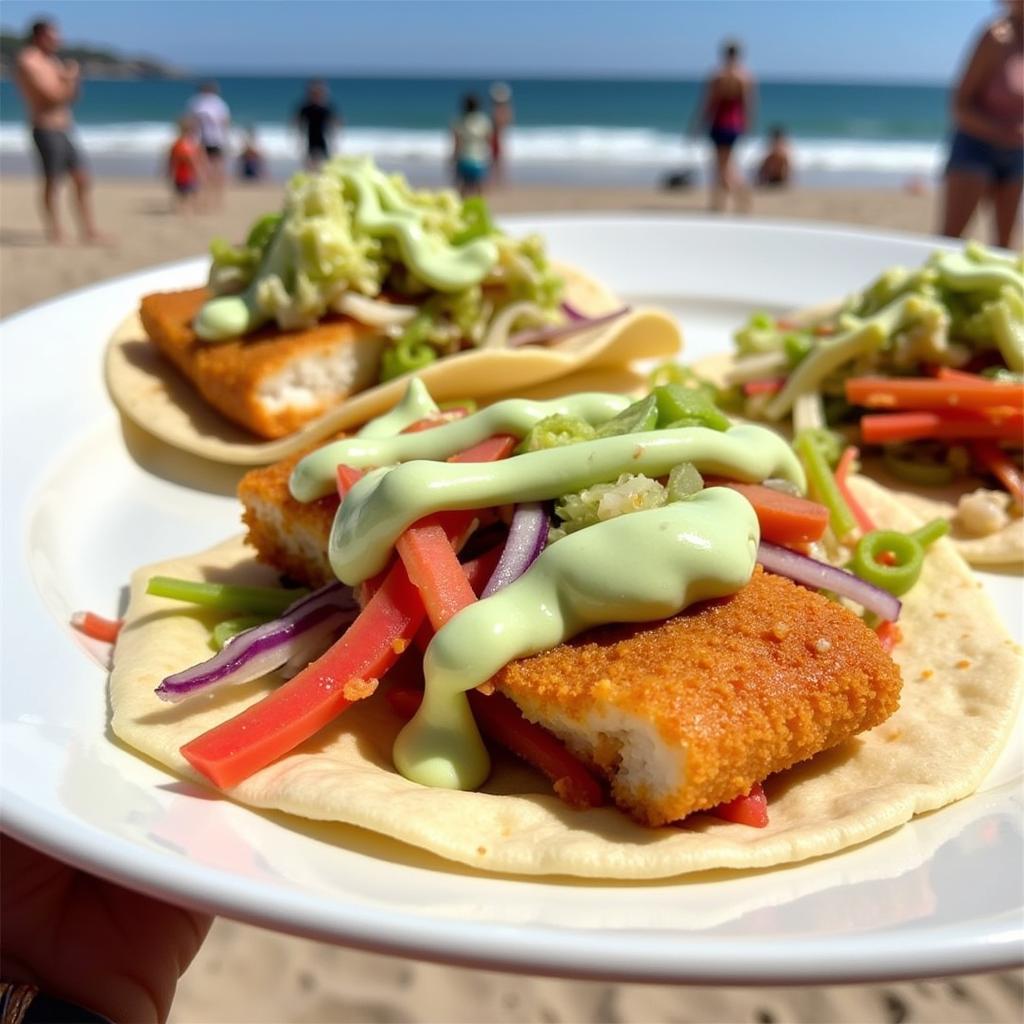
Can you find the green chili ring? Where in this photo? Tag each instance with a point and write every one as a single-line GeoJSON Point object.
{"type": "Point", "coordinates": [908, 550]}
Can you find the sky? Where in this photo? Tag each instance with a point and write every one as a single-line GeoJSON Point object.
{"type": "Point", "coordinates": [857, 40]}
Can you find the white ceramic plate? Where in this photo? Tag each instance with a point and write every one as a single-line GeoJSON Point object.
{"type": "Point", "coordinates": [87, 499]}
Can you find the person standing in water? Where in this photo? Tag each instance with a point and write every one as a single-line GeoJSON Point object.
{"type": "Point", "coordinates": [986, 155]}
{"type": "Point", "coordinates": [471, 146]}
{"type": "Point", "coordinates": [727, 111]}
{"type": "Point", "coordinates": [49, 86]}
{"type": "Point", "coordinates": [317, 118]}
{"type": "Point", "coordinates": [502, 117]}
{"type": "Point", "coordinates": [213, 116]}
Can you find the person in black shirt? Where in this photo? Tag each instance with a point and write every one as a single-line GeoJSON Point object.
{"type": "Point", "coordinates": [317, 119]}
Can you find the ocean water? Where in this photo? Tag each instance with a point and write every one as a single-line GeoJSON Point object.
{"type": "Point", "coordinates": [594, 130]}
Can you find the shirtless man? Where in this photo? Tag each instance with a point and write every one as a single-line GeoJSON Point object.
{"type": "Point", "coordinates": [49, 86]}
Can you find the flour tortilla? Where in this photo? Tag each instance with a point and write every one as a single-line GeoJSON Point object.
{"type": "Point", "coordinates": [150, 391]}
{"type": "Point", "coordinates": [1005, 547]}
{"type": "Point", "coordinates": [962, 682]}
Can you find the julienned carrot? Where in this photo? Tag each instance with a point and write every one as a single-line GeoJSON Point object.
{"type": "Point", "coordinates": [232, 751]}
{"type": "Point", "coordinates": [1001, 466]}
{"type": "Point", "coordinates": [846, 460]}
{"type": "Point", "coordinates": [502, 722]}
{"type": "Point", "coordinates": [426, 549]}
{"type": "Point", "coordinates": [784, 518]}
{"type": "Point", "coordinates": [893, 428]}
{"type": "Point", "coordinates": [932, 393]}
{"type": "Point", "coordinates": [889, 635]}
{"type": "Point", "coordinates": [765, 386]}
{"type": "Point", "coordinates": [751, 809]}
{"type": "Point", "coordinates": [948, 373]}
{"type": "Point", "coordinates": [96, 627]}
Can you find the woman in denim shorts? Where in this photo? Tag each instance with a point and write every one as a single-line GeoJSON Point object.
{"type": "Point", "coordinates": [986, 157]}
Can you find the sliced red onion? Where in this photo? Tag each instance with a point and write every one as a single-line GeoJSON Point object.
{"type": "Point", "coordinates": [526, 539]}
{"type": "Point", "coordinates": [547, 335]}
{"type": "Point", "coordinates": [822, 576]}
{"type": "Point", "coordinates": [266, 648]}
{"type": "Point", "coordinates": [573, 312]}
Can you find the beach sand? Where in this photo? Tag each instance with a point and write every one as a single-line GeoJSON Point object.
{"type": "Point", "coordinates": [244, 974]}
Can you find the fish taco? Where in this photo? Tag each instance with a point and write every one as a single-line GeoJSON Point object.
{"type": "Point", "coordinates": [633, 597]}
{"type": "Point", "coordinates": [308, 327]}
{"type": "Point", "coordinates": [923, 370]}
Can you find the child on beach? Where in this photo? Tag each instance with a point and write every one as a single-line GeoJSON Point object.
{"type": "Point", "coordinates": [184, 165]}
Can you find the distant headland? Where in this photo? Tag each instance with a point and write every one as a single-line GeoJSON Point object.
{"type": "Point", "coordinates": [94, 61]}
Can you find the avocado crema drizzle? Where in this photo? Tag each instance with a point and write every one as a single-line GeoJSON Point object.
{"type": "Point", "coordinates": [381, 212]}
{"type": "Point", "coordinates": [647, 565]}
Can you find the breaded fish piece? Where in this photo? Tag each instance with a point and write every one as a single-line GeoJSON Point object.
{"type": "Point", "coordinates": [688, 713]}
{"type": "Point", "coordinates": [287, 534]}
{"type": "Point", "coordinates": [272, 382]}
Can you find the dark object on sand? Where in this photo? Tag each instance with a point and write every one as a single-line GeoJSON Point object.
{"type": "Point", "coordinates": [685, 178]}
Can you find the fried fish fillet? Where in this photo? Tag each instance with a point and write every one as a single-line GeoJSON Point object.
{"type": "Point", "coordinates": [680, 715]}
{"type": "Point", "coordinates": [272, 382]}
{"type": "Point", "coordinates": [289, 535]}
{"type": "Point", "coordinates": [688, 713]}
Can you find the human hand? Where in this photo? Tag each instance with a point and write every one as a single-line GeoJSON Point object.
{"type": "Point", "coordinates": [76, 937]}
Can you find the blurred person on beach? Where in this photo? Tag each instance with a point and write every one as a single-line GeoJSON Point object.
{"type": "Point", "coordinates": [472, 134]}
{"type": "Point", "coordinates": [318, 120]}
{"type": "Point", "coordinates": [213, 116]}
{"type": "Point", "coordinates": [251, 164]}
{"type": "Point", "coordinates": [77, 948]}
{"type": "Point", "coordinates": [727, 111]}
{"type": "Point", "coordinates": [186, 165]}
{"type": "Point", "coordinates": [986, 154]}
{"type": "Point", "coordinates": [776, 167]}
{"type": "Point", "coordinates": [502, 116]}
{"type": "Point", "coordinates": [49, 86]}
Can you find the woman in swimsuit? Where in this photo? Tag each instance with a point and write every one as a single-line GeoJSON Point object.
{"type": "Point", "coordinates": [728, 111]}
{"type": "Point", "coordinates": [986, 157]}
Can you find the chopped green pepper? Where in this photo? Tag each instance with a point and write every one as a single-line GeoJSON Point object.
{"type": "Point", "coordinates": [684, 481]}
{"type": "Point", "coordinates": [637, 418]}
{"type": "Point", "coordinates": [478, 220]}
{"type": "Point", "coordinates": [262, 231]}
{"type": "Point", "coordinates": [554, 432]}
{"type": "Point", "coordinates": [679, 406]}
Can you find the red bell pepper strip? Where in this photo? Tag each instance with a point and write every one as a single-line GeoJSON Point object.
{"type": "Point", "coordinates": [889, 635]}
{"type": "Point", "coordinates": [1001, 466]}
{"type": "Point", "coordinates": [96, 627]}
{"type": "Point", "coordinates": [297, 710]}
{"type": "Point", "coordinates": [846, 460]}
{"type": "Point", "coordinates": [896, 427]}
{"type": "Point", "coordinates": [347, 476]}
{"type": "Point", "coordinates": [784, 518]}
{"type": "Point", "coordinates": [434, 568]}
{"type": "Point", "coordinates": [751, 809]}
{"type": "Point", "coordinates": [932, 393]}
{"type": "Point", "coordinates": [502, 722]}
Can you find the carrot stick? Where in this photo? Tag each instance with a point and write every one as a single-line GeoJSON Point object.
{"type": "Point", "coordinates": [846, 460]}
{"type": "Point", "coordinates": [765, 386]}
{"type": "Point", "coordinates": [1001, 466]}
{"type": "Point", "coordinates": [96, 627]}
{"type": "Point", "coordinates": [932, 393]}
{"type": "Point", "coordinates": [347, 477]}
{"type": "Point", "coordinates": [893, 428]}
{"type": "Point", "coordinates": [784, 518]}
{"type": "Point", "coordinates": [502, 722]}
{"type": "Point", "coordinates": [434, 568]}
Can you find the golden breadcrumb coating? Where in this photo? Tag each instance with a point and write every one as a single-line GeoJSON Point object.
{"type": "Point", "coordinates": [741, 687]}
{"type": "Point", "coordinates": [230, 374]}
{"type": "Point", "coordinates": [287, 534]}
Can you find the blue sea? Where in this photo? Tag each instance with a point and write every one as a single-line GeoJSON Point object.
{"type": "Point", "coordinates": [594, 130]}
